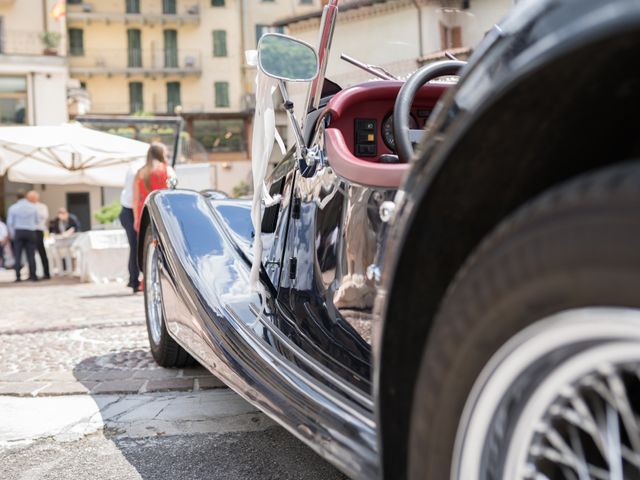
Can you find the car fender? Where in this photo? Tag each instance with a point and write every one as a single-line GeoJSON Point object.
{"type": "Point", "coordinates": [548, 95]}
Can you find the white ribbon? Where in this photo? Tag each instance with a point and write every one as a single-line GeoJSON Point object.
{"type": "Point", "coordinates": [264, 135]}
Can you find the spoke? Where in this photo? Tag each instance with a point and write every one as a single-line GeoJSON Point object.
{"type": "Point", "coordinates": [585, 421]}
{"type": "Point", "coordinates": [576, 443]}
{"type": "Point", "coordinates": [630, 456]}
{"type": "Point", "coordinates": [557, 458]}
{"type": "Point", "coordinates": [600, 411]}
{"type": "Point", "coordinates": [613, 436]}
{"type": "Point", "coordinates": [623, 406]}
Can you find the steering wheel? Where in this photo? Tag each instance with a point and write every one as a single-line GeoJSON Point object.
{"type": "Point", "coordinates": [404, 135]}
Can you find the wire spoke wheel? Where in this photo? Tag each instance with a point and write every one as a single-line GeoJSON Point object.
{"type": "Point", "coordinates": [154, 293]}
{"type": "Point", "coordinates": [562, 399]}
{"type": "Point", "coordinates": [591, 430]}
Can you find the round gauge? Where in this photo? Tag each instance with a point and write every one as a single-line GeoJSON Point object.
{"type": "Point", "coordinates": [387, 131]}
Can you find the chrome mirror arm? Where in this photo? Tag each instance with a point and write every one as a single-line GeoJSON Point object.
{"type": "Point", "coordinates": [327, 28]}
{"type": "Point", "coordinates": [306, 163]}
{"type": "Point", "coordinates": [288, 106]}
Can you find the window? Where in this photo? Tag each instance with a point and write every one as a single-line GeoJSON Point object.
{"type": "Point", "coordinates": [13, 100]}
{"type": "Point", "coordinates": [261, 29]}
{"type": "Point", "coordinates": [306, 2]}
{"type": "Point", "coordinates": [173, 96]}
{"type": "Point", "coordinates": [134, 48]}
{"type": "Point", "coordinates": [450, 37]}
{"type": "Point", "coordinates": [76, 42]}
{"type": "Point", "coordinates": [136, 101]}
{"type": "Point", "coordinates": [171, 49]}
{"type": "Point", "coordinates": [222, 94]}
{"type": "Point", "coordinates": [219, 43]}
{"type": "Point", "coordinates": [132, 6]}
{"type": "Point", "coordinates": [217, 3]}
{"type": "Point", "coordinates": [220, 135]}
{"type": "Point", "coordinates": [74, 2]}
{"type": "Point", "coordinates": [169, 7]}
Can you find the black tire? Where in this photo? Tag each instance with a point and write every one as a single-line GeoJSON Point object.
{"type": "Point", "coordinates": [166, 352]}
{"type": "Point", "coordinates": [577, 245]}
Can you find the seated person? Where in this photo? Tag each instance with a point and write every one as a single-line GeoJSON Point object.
{"type": "Point", "coordinates": [65, 223]}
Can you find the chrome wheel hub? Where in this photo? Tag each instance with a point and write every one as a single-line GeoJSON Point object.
{"type": "Point", "coordinates": [561, 400]}
{"type": "Point", "coordinates": [154, 293]}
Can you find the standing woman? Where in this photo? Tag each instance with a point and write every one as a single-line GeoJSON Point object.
{"type": "Point", "coordinates": [153, 176]}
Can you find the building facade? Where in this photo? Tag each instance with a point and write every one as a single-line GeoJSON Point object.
{"type": "Point", "coordinates": [398, 35]}
{"type": "Point", "coordinates": [174, 57]}
{"type": "Point", "coordinates": [33, 73]}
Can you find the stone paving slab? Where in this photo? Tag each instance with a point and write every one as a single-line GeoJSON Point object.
{"type": "Point", "coordinates": [64, 338]}
{"type": "Point", "coordinates": [64, 303]}
{"type": "Point", "coordinates": [133, 416]}
{"type": "Point", "coordinates": [263, 454]}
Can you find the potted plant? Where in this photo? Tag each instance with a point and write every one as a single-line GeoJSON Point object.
{"type": "Point", "coordinates": [50, 40]}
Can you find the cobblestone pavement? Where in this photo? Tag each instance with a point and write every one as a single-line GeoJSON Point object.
{"type": "Point", "coordinates": [62, 337]}
{"type": "Point", "coordinates": [80, 397]}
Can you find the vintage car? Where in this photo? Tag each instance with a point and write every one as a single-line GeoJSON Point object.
{"type": "Point", "coordinates": [449, 284]}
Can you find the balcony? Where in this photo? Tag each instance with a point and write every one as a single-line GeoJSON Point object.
{"type": "Point", "coordinates": [159, 106]}
{"type": "Point", "coordinates": [145, 62]}
{"type": "Point", "coordinates": [187, 12]}
{"type": "Point", "coordinates": [20, 42]}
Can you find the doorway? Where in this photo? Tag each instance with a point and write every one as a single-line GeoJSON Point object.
{"type": "Point", "coordinates": [78, 204]}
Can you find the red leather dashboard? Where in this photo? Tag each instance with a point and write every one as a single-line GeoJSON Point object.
{"type": "Point", "coordinates": [372, 101]}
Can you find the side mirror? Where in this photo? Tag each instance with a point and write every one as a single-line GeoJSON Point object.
{"type": "Point", "coordinates": [286, 58]}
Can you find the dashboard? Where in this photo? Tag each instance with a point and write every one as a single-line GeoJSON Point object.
{"type": "Point", "coordinates": [364, 116]}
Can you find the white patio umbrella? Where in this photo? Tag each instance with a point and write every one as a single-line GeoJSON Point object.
{"type": "Point", "coordinates": [67, 154]}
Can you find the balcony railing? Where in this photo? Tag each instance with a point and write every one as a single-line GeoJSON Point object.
{"type": "Point", "coordinates": [108, 61]}
{"type": "Point", "coordinates": [18, 42]}
{"type": "Point", "coordinates": [159, 107]}
{"type": "Point", "coordinates": [148, 12]}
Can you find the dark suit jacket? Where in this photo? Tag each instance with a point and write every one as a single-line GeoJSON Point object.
{"type": "Point", "coordinates": [54, 225]}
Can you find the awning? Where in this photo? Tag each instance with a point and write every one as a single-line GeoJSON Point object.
{"type": "Point", "coordinates": [67, 154]}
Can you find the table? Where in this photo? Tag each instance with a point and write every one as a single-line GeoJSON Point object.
{"type": "Point", "coordinates": [59, 253]}
{"type": "Point", "coordinates": [101, 255]}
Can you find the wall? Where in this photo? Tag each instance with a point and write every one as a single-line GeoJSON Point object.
{"type": "Point", "coordinates": [387, 34]}
{"type": "Point", "coordinates": [54, 196]}
{"type": "Point", "coordinates": [227, 175]}
{"type": "Point", "coordinates": [50, 98]}
{"type": "Point", "coordinates": [23, 21]}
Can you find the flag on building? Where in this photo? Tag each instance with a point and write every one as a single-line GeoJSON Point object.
{"type": "Point", "coordinates": [59, 10]}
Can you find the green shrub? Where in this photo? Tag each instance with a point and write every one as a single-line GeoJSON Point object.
{"type": "Point", "coordinates": [240, 190]}
{"type": "Point", "coordinates": [108, 213]}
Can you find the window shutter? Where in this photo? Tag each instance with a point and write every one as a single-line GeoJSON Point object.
{"type": "Point", "coordinates": [170, 48]}
{"type": "Point", "coordinates": [173, 96]}
{"type": "Point", "coordinates": [134, 47]}
{"type": "Point", "coordinates": [76, 42]}
{"type": "Point", "coordinates": [133, 6]}
{"type": "Point", "coordinates": [260, 30]}
{"type": "Point", "coordinates": [222, 94]}
{"type": "Point", "coordinates": [136, 100]}
{"type": "Point", "coordinates": [169, 7]}
{"type": "Point", "coordinates": [219, 43]}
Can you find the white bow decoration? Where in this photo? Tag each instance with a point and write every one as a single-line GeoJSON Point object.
{"type": "Point", "coordinates": [264, 136]}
